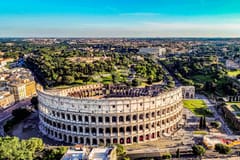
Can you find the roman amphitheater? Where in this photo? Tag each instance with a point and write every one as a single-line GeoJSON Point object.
{"type": "Point", "coordinates": [98, 114]}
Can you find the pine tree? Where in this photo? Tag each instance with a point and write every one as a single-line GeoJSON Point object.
{"type": "Point", "coordinates": [201, 123]}
{"type": "Point", "coordinates": [178, 153]}
{"type": "Point", "coordinates": [204, 122]}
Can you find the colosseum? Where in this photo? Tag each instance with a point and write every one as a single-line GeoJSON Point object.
{"type": "Point", "coordinates": [99, 114]}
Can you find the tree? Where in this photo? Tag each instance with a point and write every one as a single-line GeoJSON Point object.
{"type": "Point", "coordinates": [167, 156]}
{"type": "Point", "coordinates": [120, 150]}
{"type": "Point", "coordinates": [221, 148]}
{"type": "Point", "coordinates": [135, 82]}
{"type": "Point", "coordinates": [204, 122]}
{"type": "Point", "coordinates": [201, 123]}
{"type": "Point", "coordinates": [34, 101]}
{"type": "Point", "coordinates": [55, 153]}
{"type": "Point", "coordinates": [20, 113]}
{"type": "Point", "coordinates": [178, 153]}
{"type": "Point", "coordinates": [11, 148]}
{"type": "Point", "coordinates": [216, 124]}
{"type": "Point", "coordinates": [149, 80]}
{"type": "Point", "coordinates": [68, 79]}
{"type": "Point", "coordinates": [198, 150]}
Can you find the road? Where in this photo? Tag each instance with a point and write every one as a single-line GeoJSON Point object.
{"type": "Point", "coordinates": [216, 115]}
{"type": "Point", "coordinates": [6, 113]}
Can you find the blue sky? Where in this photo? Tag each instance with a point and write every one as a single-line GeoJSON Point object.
{"type": "Point", "coordinates": [120, 18]}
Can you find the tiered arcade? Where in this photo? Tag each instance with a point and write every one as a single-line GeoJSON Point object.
{"type": "Point", "coordinates": [95, 114]}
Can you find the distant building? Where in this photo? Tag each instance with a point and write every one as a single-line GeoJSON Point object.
{"type": "Point", "coordinates": [6, 99]}
{"type": "Point", "coordinates": [159, 51]}
{"type": "Point", "coordinates": [232, 113]}
{"type": "Point", "coordinates": [18, 90]}
{"type": "Point", "coordinates": [102, 153]}
{"type": "Point", "coordinates": [30, 88]}
{"type": "Point", "coordinates": [22, 90]}
{"type": "Point", "coordinates": [79, 152]}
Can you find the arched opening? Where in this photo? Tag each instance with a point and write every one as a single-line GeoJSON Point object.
{"type": "Point", "coordinates": [121, 119]}
{"type": "Point", "coordinates": [141, 138]}
{"type": "Point", "coordinates": [65, 137]}
{"type": "Point", "coordinates": [74, 117]}
{"type": "Point", "coordinates": [141, 127]}
{"type": "Point", "coordinates": [153, 114]}
{"type": "Point", "coordinates": [114, 119]}
{"type": "Point", "coordinates": [63, 126]}
{"type": "Point", "coordinates": [87, 141]}
{"type": "Point", "coordinates": [153, 135]}
{"type": "Point", "coordinates": [121, 140]}
{"type": "Point", "coordinates": [135, 117]}
{"type": "Point", "coordinates": [128, 129]}
{"type": "Point", "coordinates": [128, 118]}
{"type": "Point", "coordinates": [158, 134]}
{"type": "Point", "coordinates": [69, 128]}
{"type": "Point", "coordinates": [70, 139]}
{"type": "Point", "coordinates": [80, 118]}
{"type": "Point", "coordinates": [135, 139]}
{"type": "Point", "coordinates": [134, 128]}
{"type": "Point", "coordinates": [147, 115]}
{"type": "Point", "coordinates": [100, 130]}
{"type": "Point", "coordinates": [68, 116]}
{"type": "Point", "coordinates": [107, 120]}
{"type": "Point", "coordinates": [153, 125]}
{"type": "Point", "coordinates": [81, 140]}
{"type": "Point", "coordinates": [108, 141]}
{"type": "Point", "coordinates": [93, 131]}
{"type": "Point", "coordinates": [101, 141]}
{"type": "Point", "coordinates": [141, 116]}
{"type": "Point", "coordinates": [74, 129]}
{"type": "Point", "coordinates": [115, 141]}
{"type": "Point", "coordinates": [94, 141]}
{"type": "Point", "coordinates": [86, 119]}
{"type": "Point", "coordinates": [86, 130]}
{"type": "Point", "coordinates": [75, 139]}
{"type": "Point", "coordinates": [121, 130]}
{"type": "Point", "coordinates": [93, 119]}
{"type": "Point", "coordinates": [114, 130]}
{"type": "Point", "coordinates": [60, 136]}
{"type": "Point", "coordinates": [100, 119]}
{"type": "Point", "coordinates": [107, 130]}
{"type": "Point", "coordinates": [147, 137]}
{"type": "Point", "coordinates": [129, 140]}
{"type": "Point", "coordinates": [80, 129]}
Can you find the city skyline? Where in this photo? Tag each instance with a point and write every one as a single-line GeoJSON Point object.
{"type": "Point", "coordinates": [202, 18]}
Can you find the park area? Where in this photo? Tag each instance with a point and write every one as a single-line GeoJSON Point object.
{"type": "Point", "coordinates": [198, 107]}
{"type": "Point", "coordinates": [233, 73]}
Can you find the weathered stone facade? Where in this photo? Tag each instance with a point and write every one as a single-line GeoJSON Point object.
{"type": "Point", "coordinates": [96, 114]}
{"type": "Point", "coordinates": [188, 92]}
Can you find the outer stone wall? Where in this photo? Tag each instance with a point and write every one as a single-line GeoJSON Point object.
{"type": "Point", "coordinates": [124, 120]}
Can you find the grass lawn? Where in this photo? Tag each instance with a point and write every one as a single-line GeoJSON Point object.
{"type": "Point", "coordinates": [233, 73]}
{"type": "Point", "coordinates": [198, 107]}
{"type": "Point", "coordinates": [200, 132]}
